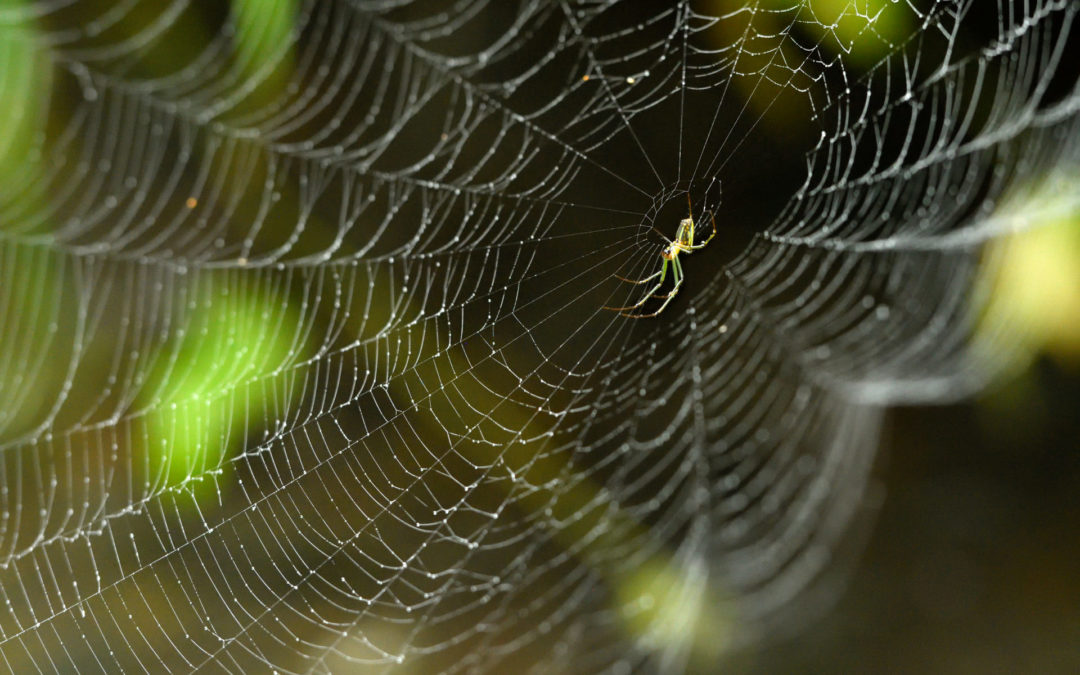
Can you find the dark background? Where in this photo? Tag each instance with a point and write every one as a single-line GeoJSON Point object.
{"type": "Point", "coordinates": [972, 565]}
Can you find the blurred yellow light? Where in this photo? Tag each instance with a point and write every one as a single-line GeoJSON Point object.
{"type": "Point", "coordinates": [1029, 280]}
{"type": "Point", "coordinates": [1035, 280]}
{"type": "Point", "coordinates": [666, 607]}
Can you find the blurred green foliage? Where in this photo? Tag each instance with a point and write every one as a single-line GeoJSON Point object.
{"type": "Point", "coordinates": [264, 42]}
{"type": "Point", "coordinates": [861, 31]}
{"type": "Point", "coordinates": [25, 84]}
{"type": "Point", "coordinates": [208, 388]}
{"type": "Point", "coordinates": [1031, 280]}
{"type": "Point", "coordinates": [23, 79]}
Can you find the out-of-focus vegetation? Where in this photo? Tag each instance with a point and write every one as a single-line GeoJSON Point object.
{"type": "Point", "coordinates": [862, 32]}
{"type": "Point", "coordinates": [25, 84]}
{"type": "Point", "coordinates": [30, 375]}
{"type": "Point", "coordinates": [264, 46]}
{"type": "Point", "coordinates": [1034, 294]}
{"type": "Point", "coordinates": [208, 388]}
{"type": "Point", "coordinates": [24, 81]}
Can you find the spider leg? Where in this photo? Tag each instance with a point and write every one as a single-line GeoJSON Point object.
{"type": "Point", "coordinates": [662, 306]}
{"type": "Point", "coordinates": [677, 277]}
{"type": "Point", "coordinates": [662, 274]}
{"type": "Point", "coordinates": [712, 217]}
{"type": "Point", "coordinates": [670, 296]}
{"type": "Point", "coordinates": [648, 296]}
{"type": "Point", "coordinates": [637, 281]}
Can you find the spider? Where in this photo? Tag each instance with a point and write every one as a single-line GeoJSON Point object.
{"type": "Point", "coordinates": [683, 243]}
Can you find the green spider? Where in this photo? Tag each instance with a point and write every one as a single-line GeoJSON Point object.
{"type": "Point", "coordinates": [683, 243]}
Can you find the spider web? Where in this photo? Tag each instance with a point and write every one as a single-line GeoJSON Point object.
{"type": "Point", "coordinates": [304, 364]}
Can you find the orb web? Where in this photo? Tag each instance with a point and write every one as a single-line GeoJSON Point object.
{"type": "Point", "coordinates": [305, 365]}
